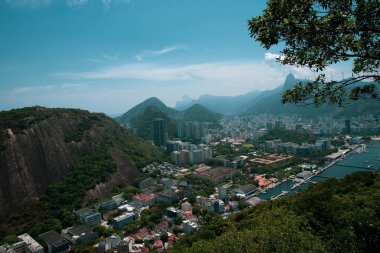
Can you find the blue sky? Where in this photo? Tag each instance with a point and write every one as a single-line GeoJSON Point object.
{"type": "Point", "coordinates": [109, 55]}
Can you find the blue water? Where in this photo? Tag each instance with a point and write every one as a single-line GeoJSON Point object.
{"type": "Point", "coordinates": [336, 171]}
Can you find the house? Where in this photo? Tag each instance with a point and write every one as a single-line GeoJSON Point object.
{"type": "Point", "coordinates": [162, 227]}
{"type": "Point", "coordinates": [189, 226]}
{"type": "Point", "coordinates": [109, 243]}
{"type": "Point", "coordinates": [144, 199]}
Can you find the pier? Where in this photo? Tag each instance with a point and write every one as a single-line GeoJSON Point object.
{"type": "Point", "coordinates": [355, 166]}
{"type": "Point", "coordinates": [321, 176]}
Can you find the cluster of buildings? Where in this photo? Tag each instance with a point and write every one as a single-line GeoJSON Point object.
{"type": "Point", "coordinates": [166, 169]}
{"type": "Point", "coordinates": [270, 160]}
{"type": "Point", "coordinates": [298, 150]}
{"type": "Point", "coordinates": [242, 128]}
{"type": "Point", "coordinates": [183, 153]}
{"type": "Point", "coordinates": [215, 175]}
{"type": "Point", "coordinates": [194, 131]}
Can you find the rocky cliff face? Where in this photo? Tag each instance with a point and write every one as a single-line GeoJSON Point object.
{"type": "Point", "coordinates": [38, 151]}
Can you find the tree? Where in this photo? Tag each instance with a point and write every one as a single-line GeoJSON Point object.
{"type": "Point", "coordinates": [164, 237]}
{"type": "Point", "coordinates": [319, 33]}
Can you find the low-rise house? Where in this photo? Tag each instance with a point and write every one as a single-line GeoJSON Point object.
{"type": "Point", "coordinates": [109, 243]}
{"type": "Point", "coordinates": [162, 227]}
{"type": "Point", "coordinates": [189, 226]}
{"type": "Point", "coordinates": [144, 199]}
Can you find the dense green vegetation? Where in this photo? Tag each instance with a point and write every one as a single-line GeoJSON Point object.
{"type": "Point", "coordinates": [20, 119]}
{"type": "Point", "coordinates": [144, 123]}
{"type": "Point", "coordinates": [200, 113]}
{"type": "Point", "coordinates": [55, 209]}
{"type": "Point", "coordinates": [290, 136]}
{"type": "Point", "coordinates": [85, 124]}
{"type": "Point", "coordinates": [333, 216]}
{"type": "Point", "coordinates": [139, 109]}
{"type": "Point", "coordinates": [319, 33]}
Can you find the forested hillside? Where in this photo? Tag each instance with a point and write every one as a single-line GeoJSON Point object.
{"type": "Point", "coordinates": [52, 157]}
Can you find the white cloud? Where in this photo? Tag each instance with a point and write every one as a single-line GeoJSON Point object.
{"type": "Point", "coordinates": [74, 3]}
{"type": "Point", "coordinates": [29, 3]}
{"type": "Point", "coordinates": [111, 57]}
{"type": "Point", "coordinates": [24, 89]}
{"type": "Point", "coordinates": [45, 89]}
{"type": "Point", "coordinates": [95, 60]}
{"type": "Point", "coordinates": [270, 56]}
{"type": "Point", "coordinates": [234, 75]}
{"type": "Point", "coordinates": [73, 85]}
{"type": "Point", "coordinates": [108, 3]}
{"type": "Point", "coordinates": [152, 53]}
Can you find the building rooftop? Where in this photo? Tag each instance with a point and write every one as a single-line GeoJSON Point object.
{"type": "Point", "coordinates": [79, 230]}
{"type": "Point", "coordinates": [30, 242]}
{"type": "Point", "coordinates": [247, 188]}
{"type": "Point", "coordinates": [53, 238]}
{"type": "Point", "coordinates": [144, 197]}
{"type": "Point", "coordinates": [304, 174]}
{"type": "Point", "coordinates": [254, 201]}
{"type": "Point", "coordinates": [123, 216]}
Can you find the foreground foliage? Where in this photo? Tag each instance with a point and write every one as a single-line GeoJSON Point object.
{"type": "Point", "coordinates": [320, 33]}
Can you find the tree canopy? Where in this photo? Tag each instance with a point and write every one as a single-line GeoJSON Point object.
{"type": "Point", "coordinates": [320, 33]}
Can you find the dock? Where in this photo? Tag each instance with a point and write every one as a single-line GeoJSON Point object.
{"type": "Point", "coordinates": [355, 166]}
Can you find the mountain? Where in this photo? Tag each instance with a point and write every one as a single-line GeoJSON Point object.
{"type": "Point", "coordinates": [290, 81]}
{"type": "Point", "coordinates": [143, 124]}
{"type": "Point", "coordinates": [139, 109]}
{"type": "Point", "coordinates": [270, 102]}
{"type": "Point", "coordinates": [52, 158]}
{"type": "Point", "coordinates": [198, 112]}
{"type": "Point", "coordinates": [223, 104]}
{"type": "Point", "coordinates": [140, 118]}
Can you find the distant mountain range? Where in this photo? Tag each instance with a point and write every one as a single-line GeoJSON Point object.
{"type": "Point", "coordinates": [269, 101]}
{"type": "Point", "coordinates": [142, 115]}
{"type": "Point", "coordinates": [223, 104]}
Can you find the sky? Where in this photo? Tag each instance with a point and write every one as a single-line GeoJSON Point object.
{"type": "Point", "coordinates": [109, 55]}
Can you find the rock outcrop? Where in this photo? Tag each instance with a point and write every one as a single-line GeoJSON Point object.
{"type": "Point", "coordinates": [36, 153]}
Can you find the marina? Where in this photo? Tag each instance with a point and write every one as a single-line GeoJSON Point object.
{"type": "Point", "coordinates": [363, 158]}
